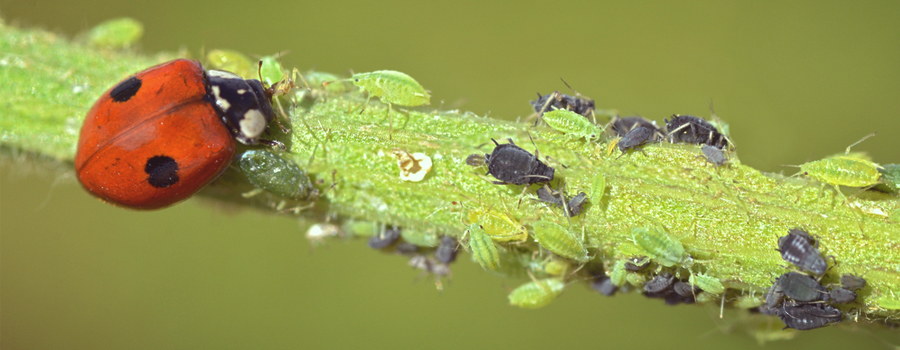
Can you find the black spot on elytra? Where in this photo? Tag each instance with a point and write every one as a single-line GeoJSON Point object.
{"type": "Point", "coordinates": [125, 90]}
{"type": "Point", "coordinates": [163, 171]}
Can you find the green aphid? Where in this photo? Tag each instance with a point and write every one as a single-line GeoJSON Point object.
{"type": "Point", "coordinates": [748, 302]}
{"type": "Point", "coordinates": [659, 246]}
{"type": "Point", "coordinates": [888, 302]}
{"type": "Point", "coordinates": [708, 284]}
{"type": "Point", "coordinates": [598, 186]}
{"type": "Point", "coordinates": [636, 279]}
{"type": "Point", "coordinates": [271, 71]}
{"type": "Point", "coordinates": [499, 226]}
{"type": "Point", "coordinates": [618, 274]}
{"type": "Point", "coordinates": [537, 293]}
{"type": "Point", "coordinates": [276, 175]}
{"type": "Point", "coordinates": [393, 88]}
{"type": "Point", "coordinates": [844, 170]}
{"type": "Point", "coordinates": [483, 250]}
{"type": "Point", "coordinates": [116, 33]}
{"type": "Point", "coordinates": [232, 61]}
{"type": "Point", "coordinates": [419, 237]}
{"type": "Point", "coordinates": [560, 241]}
{"type": "Point", "coordinates": [572, 124]}
{"type": "Point", "coordinates": [361, 228]}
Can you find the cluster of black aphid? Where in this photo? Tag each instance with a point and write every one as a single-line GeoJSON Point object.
{"type": "Point", "coordinates": [439, 265]}
{"type": "Point", "coordinates": [673, 291]}
{"type": "Point", "coordinates": [637, 131]}
{"type": "Point", "coordinates": [557, 198]}
{"type": "Point", "coordinates": [799, 299]}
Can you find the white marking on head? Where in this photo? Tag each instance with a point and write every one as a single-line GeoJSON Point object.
{"type": "Point", "coordinates": [221, 102]}
{"type": "Point", "coordinates": [222, 74]}
{"type": "Point", "coordinates": [253, 124]}
{"type": "Point", "coordinates": [242, 91]}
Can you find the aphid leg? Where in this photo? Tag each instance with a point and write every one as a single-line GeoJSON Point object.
{"type": "Point", "coordinates": [252, 193]}
{"type": "Point", "coordinates": [669, 135]}
{"type": "Point", "coordinates": [390, 121]}
{"type": "Point", "coordinates": [579, 95]}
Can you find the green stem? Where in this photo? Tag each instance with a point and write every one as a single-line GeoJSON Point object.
{"type": "Point", "coordinates": [728, 218]}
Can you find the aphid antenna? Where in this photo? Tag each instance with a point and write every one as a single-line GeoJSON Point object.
{"type": "Point", "coordinates": [540, 113]}
{"type": "Point", "coordinates": [858, 142]}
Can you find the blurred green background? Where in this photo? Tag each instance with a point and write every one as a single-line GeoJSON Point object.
{"type": "Point", "coordinates": [797, 81]}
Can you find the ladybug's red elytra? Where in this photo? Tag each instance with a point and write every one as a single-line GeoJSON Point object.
{"type": "Point", "coordinates": [161, 135]}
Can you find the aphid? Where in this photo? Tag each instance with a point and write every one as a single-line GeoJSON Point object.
{"type": "Point", "coordinates": [598, 186]}
{"type": "Point", "coordinates": [659, 283]}
{"type": "Point", "coordinates": [801, 287]}
{"type": "Point", "coordinates": [604, 285]}
{"type": "Point", "coordinates": [852, 282]}
{"type": "Point", "coordinates": [800, 249]}
{"type": "Point", "coordinates": [621, 126]}
{"type": "Point", "coordinates": [556, 100]}
{"type": "Point", "coordinates": [232, 61]}
{"type": "Point", "coordinates": [116, 33]}
{"type": "Point", "coordinates": [276, 175]}
{"type": "Point", "coordinates": [713, 155]}
{"type": "Point", "coordinates": [576, 204]}
{"type": "Point", "coordinates": [572, 124]}
{"type": "Point", "coordinates": [361, 228]}
{"type": "Point", "coordinates": [808, 316]}
{"type": "Point", "coordinates": [749, 301]}
{"type": "Point", "coordinates": [890, 174]}
{"type": "Point", "coordinates": [319, 232]}
{"type": "Point", "coordinates": [413, 167]}
{"type": "Point", "coordinates": [476, 160]}
{"type": "Point", "coordinates": [636, 279]}
{"type": "Point", "coordinates": [483, 250]}
{"type": "Point", "coordinates": [560, 241]}
{"type": "Point", "coordinates": [690, 129]}
{"type": "Point", "coordinates": [889, 302]}
{"type": "Point", "coordinates": [446, 251]}
{"type": "Point", "coordinates": [422, 238]}
{"type": "Point", "coordinates": [556, 198]}
{"type": "Point", "coordinates": [708, 284]}
{"type": "Point", "coordinates": [634, 138]}
{"type": "Point", "coordinates": [407, 248]}
{"type": "Point", "coordinates": [844, 170]}
{"type": "Point", "coordinates": [685, 289]}
{"type": "Point", "coordinates": [842, 295]}
{"type": "Point", "coordinates": [774, 297]}
{"type": "Point", "coordinates": [637, 264]}
{"type": "Point", "coordinates": [513, 165]}
{"type": "Point", "coordinates": [392, 88]}
{"type": "Point", "coordinates": [430, 266]}
{"type": "Point", "coordinates": [537, 293]}
{"type": "Point", "coordinates": [385, 238]}
{"type": "Point", "coordinates": [659, 246]}
{"type": "Point", "coordinates": [618, 273]}
{"type": "Point", "coordinates": [497, 225]}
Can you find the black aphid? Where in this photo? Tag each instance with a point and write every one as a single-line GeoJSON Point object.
{"type": "Point", "coordinates": [774, 297]}
{"type": "Point", "coordinates": [690, 129]}
{"type": "Point", "coordinates": [800, 249]}
{"type": "Point", "coordinates": [385, 238]}
{"type": "Point", "coordinates": [714, 155]}
{"type": "Point", "coordinates": [557, 100]}
{"type": "Point", "coordinates": [576, 204]}
{"type": "Point", "coordinates": [852, 282]}
{"type": "Point", "coordinates": [476, 160]}
{"type": "Point", "coordinates": [604, 285]}
{"type": "Point", "coordinates": [842, 295]}
{"type": "Point", "coordinates": [659, 283]}
{"type": "Point", "coordinates": [634, 138]}
{"type": "Point", "coordinates": [513, 165]}
{"type": "Point", "coordinates": [801, 287]}
{"type": "Point", "coordinates": [621, 126]}
{"type": "Point", "coordinates": [446, 250]}
{"type": "Point", "coordinates": [808, 316]}
{"type": "Point", "coordinates": [407, 248]}
{"type": "Point", "coordinates": [685, 289]}
{"type": "Point", "coordinates": [557, 198]}
{"type": "Point", "coordinates": [637, 264]}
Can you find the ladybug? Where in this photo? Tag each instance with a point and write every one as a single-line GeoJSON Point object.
{"type": "Point", "coordinates": [161, 135]}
